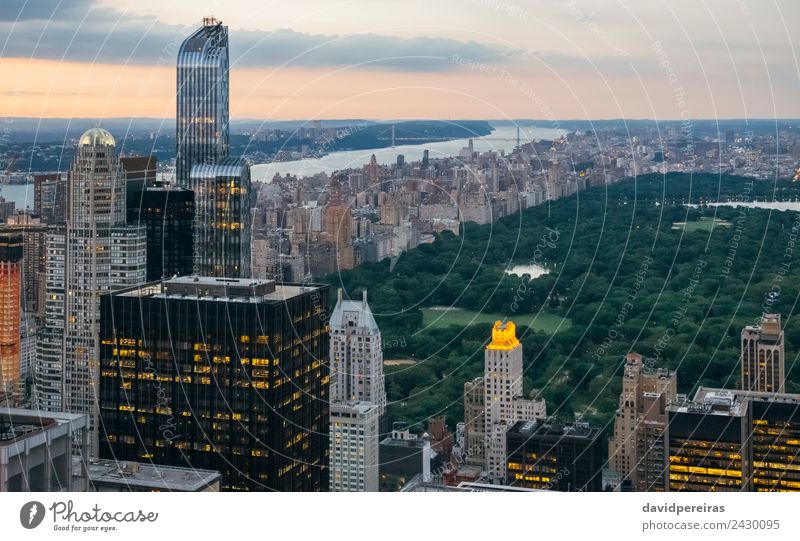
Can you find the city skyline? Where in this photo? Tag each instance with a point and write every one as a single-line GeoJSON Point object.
{"type": "Point", "coordinates": [553, 60]}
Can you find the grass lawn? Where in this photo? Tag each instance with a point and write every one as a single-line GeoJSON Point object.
{"type": "Point", "coordinates": [546, 323]}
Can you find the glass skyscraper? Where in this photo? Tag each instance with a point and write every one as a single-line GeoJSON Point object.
{"type": "Point", "coordinates": [202, 112]}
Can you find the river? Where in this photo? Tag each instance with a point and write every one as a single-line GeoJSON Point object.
{"type": "Point", "coordinates": [502, 138]}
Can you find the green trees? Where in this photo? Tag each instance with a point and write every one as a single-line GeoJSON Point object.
{"type": "Point", "coordinates": [618, 271]}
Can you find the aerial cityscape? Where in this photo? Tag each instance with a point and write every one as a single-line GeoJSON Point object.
{"type": "Point", "coordinates": [427, 273]}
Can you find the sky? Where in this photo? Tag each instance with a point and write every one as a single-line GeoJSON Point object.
{"type": "Point", "coordinates": [400, 59]}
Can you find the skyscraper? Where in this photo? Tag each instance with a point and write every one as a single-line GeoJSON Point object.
{"type": "Point", "coordinates": [356, 354]}
{"type": "Point", "coordinates": [95, 253]}
{"type": "Point", "coordinates": [222, 221]}
{"type": "Point", "coordinates": [504, 402]}
{"type": "Point", "coordinates": [354, 447]}
{"type": "Point", "coordinates": [735, 440]}
{"type": "Point", "coordinates": [202, 100]}
{"type": "Point", "coordinates": [10, 302]}
{"type": "Point", "coordinates": [358, 396]}
{"type": "Point", "coordinates": [640, 412]}
{"type": "Point", "coordinates": [763, 356]}
{"type": "Point", "coordinates": [167, 213]}
{"type": "Point", "coordinates": [221, 374]}
{"type": "Point", "coordinates": [548, 455]}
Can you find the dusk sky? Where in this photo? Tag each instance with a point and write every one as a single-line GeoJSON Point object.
{"type": "Point", "coordinates": [382, 59]}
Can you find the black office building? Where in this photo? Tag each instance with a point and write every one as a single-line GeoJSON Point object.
{"type": "Point", "coordinates": [220, 374]}
{"type": "Point", "coordinates": [548, 455]}
{"type": "Point", "coordinates": [168, 214]}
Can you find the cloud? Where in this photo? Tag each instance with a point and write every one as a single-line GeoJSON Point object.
{"type": "Point", "coordinates": [84, 33]}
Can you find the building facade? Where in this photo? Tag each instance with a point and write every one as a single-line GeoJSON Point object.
{"type": "Point", "coordinates": [356, 354]}
{"type": "Point", "coordinates": [202, 117]}
{"type": "Point", "coordinates": [94, 253]}
{"type": "Point", "coordinates": [732, 440]}
{"type": "Point", "coordinates": [354, 440]}
{"type": "Point", "coordinates": [11, 256]}
{"type": "Point", "coordinates": [167, 213]}
{"type": "Point", "coordinates": [548, 455]}
{"type": "Point", "coordinates": [221, 246]}
{"type": "Point", "coordinates": [641, 410]}
{"type": "Point", "coordinates": [763, 356]}
{"type": "Point", "coordinates": [503, 395]}
{"type": "Point", "coordinates": [219, 374]}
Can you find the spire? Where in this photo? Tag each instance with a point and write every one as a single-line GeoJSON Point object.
{"type": "Point", "coordinates": [364, 299]}
{"type": "Point", "coordinates": [339, 294]}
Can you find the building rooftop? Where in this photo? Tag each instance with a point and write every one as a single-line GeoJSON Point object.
{"type": "Point", "coordinates": [219, 289]}
{"type": "Point", "coordinates": [17, 424]}
{"type": "Point", "coordinates": [358, 309]}
{"type": "Point", "coordinates": [133, 475]}
{"type": "Point", "coordinates": [552, 427]}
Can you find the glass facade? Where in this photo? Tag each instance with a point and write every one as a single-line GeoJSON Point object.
{"type": "Point", "coordinates": [202, 100]}
{"type": "Point", "coordinates": [218, 380]}
{"type": "Point", "coordinates": [222, 219]}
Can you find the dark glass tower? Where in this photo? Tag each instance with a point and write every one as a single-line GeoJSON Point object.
{"type": "Point", "coordinates": [222, 219]}
{"type": "Point", "coordinates": [168, 214]}
{"type": "Point", "coordinates": [219, 374]}
{"type": "Point", "coordinates": [202, 98]}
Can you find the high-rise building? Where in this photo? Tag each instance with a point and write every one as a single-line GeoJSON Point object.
{"type": "Point", "coordinates": [140, 172]}
{"type": "Point", "coordinates": [221, 246]}
{"type": "Point", "coordinates": [356, 354]}
{"type": "Point", "coordinates": [354, 440]}
{"type": "Point", "coordinates": [735, 440]}
{"type": "Point", "coordinates": [99, 253]}
{"type": "Point", "coordinates": [34, 260]}
{"type": "Point", "coordinates": [707, 444]}
{"type": "Point", "coordinates": [358, 395]}
{"type": "Point", "coordinates": [504, 403]}
{"type": "Point", "coordinates": [50, 197]}
{"type": "Point", "coordinates": [641, 411]}
{"type": "Point", "coordinates": [763, 356]}
{"type": "Point", "coordinates": [167, 213]}
{"type": "Point", "coordinates": [202, 100]}
{"type": "Point", "coordinates": [548, 455]}
{"type": "Point", "coordinates": [475, 422]}
{"type": "Point", "coordinates": [220, 374]}
{"type": "Point", "coordinates": [48, 368]}
{"type": "Point", "coordinates": [10, 303]}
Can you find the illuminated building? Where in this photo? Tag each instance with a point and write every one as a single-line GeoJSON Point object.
{"type": "Point", "coordinates": [201, 128]}
{"type": "Point", "coordinates": [10, 288]}
{"type": "Point", "coordinates": [354, 439]}
{"type": "Point", "coordinates": [548, 455]}
{"type": "Point", "coordinates": [639, 423]}
{"type": "Point", "coordinates": [706, 442]}
{"type": "Point", "coordinates": [50, 197]}
{"type": "Point", "coordinates": [95, 253]}
{"type": "Point", "coordinates": [763, 356]}
{"type": "Point", "coordinates": [356, 354]}
{"type": "Point", "coordinates": [34, 237]}
{"type": "Point", "coordinates": [220, 374]}
{"type": "Point", "coordinates": [760, 442]}
{"type": "Point", "coordinates": [221, 246]}
{"type": "Point", "coordinates": [503, 397]}
{"type": "Point", "coordinates": [167, 213]}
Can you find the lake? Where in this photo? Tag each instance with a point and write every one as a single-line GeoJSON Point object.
{"type": "Point", "coordinates": [21, 194]}
{"type": "Point", "coordinates": [534, 271]}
